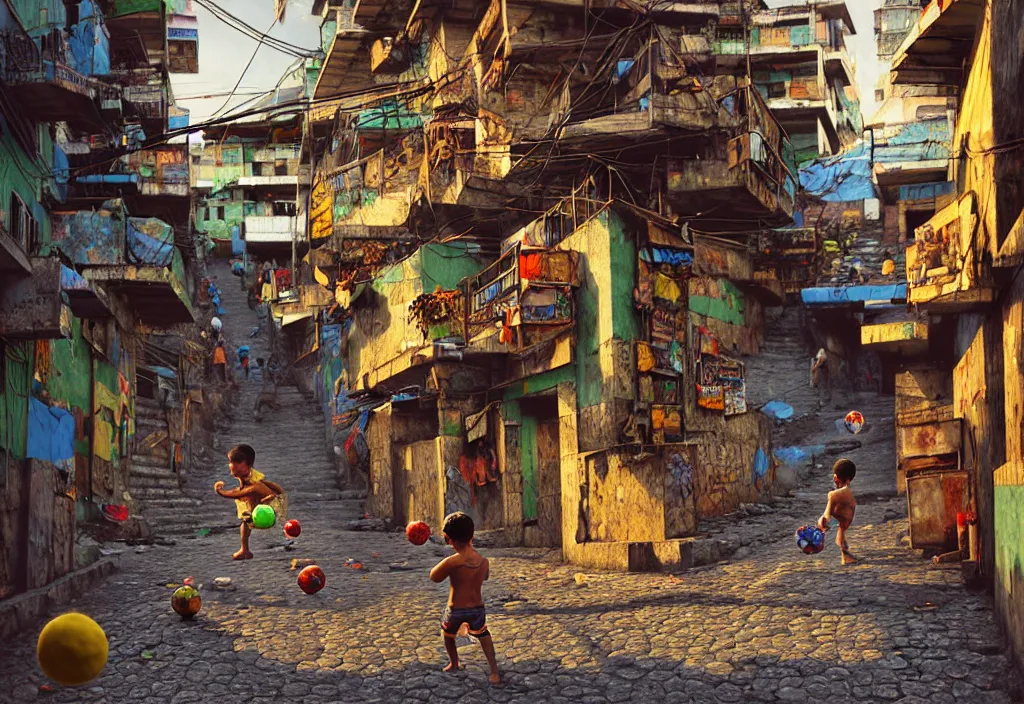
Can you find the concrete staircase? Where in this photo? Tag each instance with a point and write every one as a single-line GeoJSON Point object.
{"type": "Point", "coordinates": [152, 482]}
{"type": "Point", "coordinates": [289, 443]}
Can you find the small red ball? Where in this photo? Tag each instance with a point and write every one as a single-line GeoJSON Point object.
{"type": "Point", "coordinates": [417, 532]}
{"type": "Point", "coordinates": [292, 528]}
{"type": "Point", "coordinates": [312, 579]}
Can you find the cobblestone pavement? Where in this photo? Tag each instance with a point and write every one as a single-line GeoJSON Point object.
{"type": "Point", "coordinates": [774, 626]}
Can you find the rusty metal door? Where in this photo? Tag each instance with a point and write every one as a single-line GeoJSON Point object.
{"type": "Point", "coordinates": [934, 497]}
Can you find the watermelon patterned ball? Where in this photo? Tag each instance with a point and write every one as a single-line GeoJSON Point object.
{"type": "Point", "coordinates": [810, 539]}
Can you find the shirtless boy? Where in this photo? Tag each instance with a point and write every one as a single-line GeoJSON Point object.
{"type": "Point", "coordinates": [841, 506]}
{"type": "Point", "coordinates": [467, 570]}
{"type": "Point", "coordinates": [253, 489]}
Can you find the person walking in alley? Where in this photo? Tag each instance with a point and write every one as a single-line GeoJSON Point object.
{"type": "Point", "coordinates": [220, 362]}
{"type": "Point", "coordinates": [821, 376]}
{"type": "Point", "coordinates": [243, 360]}
{"type": "Point", "coordinates": [253, 489]}
{"type": "Point", "coordinates": [466, 571]}
{"type": "Point", "coordinates": [841, 507]}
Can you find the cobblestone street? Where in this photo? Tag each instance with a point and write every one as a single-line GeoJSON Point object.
{"type": "Point", "coordinates": [771, 625]}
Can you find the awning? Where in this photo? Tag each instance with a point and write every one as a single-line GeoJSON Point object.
{"type": "Point", "coordinates": [289, 318]}
{"type": "Point", "coordinates": [935, 50]}
{"type": "Point", "coordinates": [854, 296]}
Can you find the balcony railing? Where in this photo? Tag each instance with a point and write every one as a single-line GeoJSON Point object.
{"type": "Point", "coordinates": [273, 228]}
{"type": "Point", "coordinates": [523, 288]}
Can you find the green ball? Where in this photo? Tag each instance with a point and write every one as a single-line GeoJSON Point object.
{"type": "Point", "coordinates": [263, 516]}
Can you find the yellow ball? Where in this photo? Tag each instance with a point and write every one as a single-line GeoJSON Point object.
{"type": "Point", "coordinates": [72, 649]}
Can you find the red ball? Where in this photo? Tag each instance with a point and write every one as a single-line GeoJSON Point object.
{"type": "Point", "coordinates": [312, 579]}
{"type": "Point", "coordinates": [417, 532]}
{"type": "Point", "coordinates": [292, 528]}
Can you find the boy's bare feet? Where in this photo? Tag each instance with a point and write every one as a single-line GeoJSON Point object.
{"type": "Point", "coordinates": [849, 558]}
{"type": "Point", "coordinates": [242, 555]}
{"type": "Point", "coordinates": [452, 666]}
{"type": "Point", "coordinates": [495, 678]}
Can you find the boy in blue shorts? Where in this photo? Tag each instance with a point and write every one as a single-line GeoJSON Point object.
{"type": "Point", "coordinates": [466, 570]}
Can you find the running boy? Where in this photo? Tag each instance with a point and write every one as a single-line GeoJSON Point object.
{"type": "Point", "coordinates": [467, 570]}
{"type": "Point", "coordinates": [253, 489]}
{"type": "Point", "coordinates": [841, 506]}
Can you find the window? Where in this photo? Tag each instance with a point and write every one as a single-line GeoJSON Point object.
{"type": "Point", "coordinates": [23, 226]}
{"type": "Point", "coordinates": [281, 168]}
{"type": "Point", "coordinates": [777, 90]}
{"type": "Point", "coordinates": [218, 212]}
{"type": "Point", "coordinates": [257, 168]}
{"type": "Point", "coordinates": [879, 96]}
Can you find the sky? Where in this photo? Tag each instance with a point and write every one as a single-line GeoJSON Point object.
{"type": "Point", "coordinates": [224, 52]}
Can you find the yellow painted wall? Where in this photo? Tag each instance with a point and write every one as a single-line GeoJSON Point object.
{"type": "Point", "coordinates": [975, 124]}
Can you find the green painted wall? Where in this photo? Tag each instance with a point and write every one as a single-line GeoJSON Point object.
{"type": "Point", "coordinates": [540, 382]}
{"type": "Point", "coordinates": [445, 265]}
{"type": "Point", "coordinates": [20, 174]}
{"type": "Point", "coordinates": [728, 309]}
{"type": "Point", "coordinates": [70, 379]}
{"type": "Point", "coordinates": [623, 264]}
{"type": "Point", "coordinates": [528, 452]}
{"type": "Point", "coordinates": [18, 363]}
{"type": "Point", "coordinates": [1009, 549]}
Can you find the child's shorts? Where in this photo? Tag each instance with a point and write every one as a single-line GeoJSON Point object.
{"type": "Point", "coordinates": [475, 618]}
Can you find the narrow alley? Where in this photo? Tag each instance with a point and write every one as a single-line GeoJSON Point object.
{"type": "Point", "coordinates": [773, 626]}
{"type": "Point", "coordinates": [647, 296]}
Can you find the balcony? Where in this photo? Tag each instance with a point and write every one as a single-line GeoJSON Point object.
{"type": "Point", "coordinates": [939, 45]}
{"type": "Point", "coordinates": [14, 260]}
{"type": "Point", "coordinates": [901, 337]}
{"type": "Point", "coordinates": [743, 177]}
{"type": "Point", "coordinates": [43, 83]}
{"type": "Point", "coordinates": [30, 306]}
{"type": "Point", "coordinates": [945, 272]}
{"type": "Point", "coordinates": [160, 173]}
{"type": "Point", "coordinates": [274, 229]}
{"type": "Point", "coordinates": [135, 257]}
{"type": "Point", "coordinates": [527, 291]}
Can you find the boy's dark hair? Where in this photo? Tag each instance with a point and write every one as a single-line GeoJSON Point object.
{"type": "Point", "coordinates": [458, 527]}
{"type": "Point", "coordinates": [845, 469]}
{"type": "Point", "coordinates": [243, 453]}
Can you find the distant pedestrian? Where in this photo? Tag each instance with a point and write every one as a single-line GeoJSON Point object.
{"type": "Point", "coordinates": [821, 376]}
{"type": "Point", "coordinates": [216, 324]}
{"type": "Point", "coordinates": [243, 359]}
{"type": "Point", "coordinates": [841, 507]}
{"type": "Point", "coordinates": [220, 362]}
{"type": "Point", "coordinates": [466, 570]}
{"type": "Point", "coordinates": [253, 489]}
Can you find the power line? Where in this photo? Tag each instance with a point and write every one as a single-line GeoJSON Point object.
{"type": "Point", "coordinates": [248, 30]}
{"type": "Point", "coordinates": [244, 70]}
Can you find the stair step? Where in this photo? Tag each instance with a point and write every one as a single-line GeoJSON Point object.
{"type": "Point", "coordinates": [176, 503]}
{"type": "Point", "coordinates": [136, 483]}
{"type": "Point", "coordinates": [148, 471]}
{"type": "Point", "coordinates": [150, 460]}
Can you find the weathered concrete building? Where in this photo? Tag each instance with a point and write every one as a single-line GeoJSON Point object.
{"type": "Point", "coordinates": [94, 253]}
{"type": "Point", "coordinates": [538, 284]}
{"type": "Point", "coordinates": [247, 181]}
{"type": "Point", "coordinates": [963, 267]}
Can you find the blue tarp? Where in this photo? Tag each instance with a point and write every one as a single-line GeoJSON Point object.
{"type": "Point", "coordinates": [89, 42]}
{"type": "Point", "coordinates": [71, 280]}
{"type": "Point", "coordinates": [164, 372]}
{"type": "Point", "coordinates": [927, 140]}
{"type": "Point", "coordinates": [842, 178]}
{"type": "Point", "coordinates": [778, 410]}
{"type": "Point", "coordinates": [852, 294]}
{"type": "Point", "coordinates": [51, 433]}
{"type": "Point", "coordinates": [91, 237]}
{"type": "Point", "coordinates": [150, 242]}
